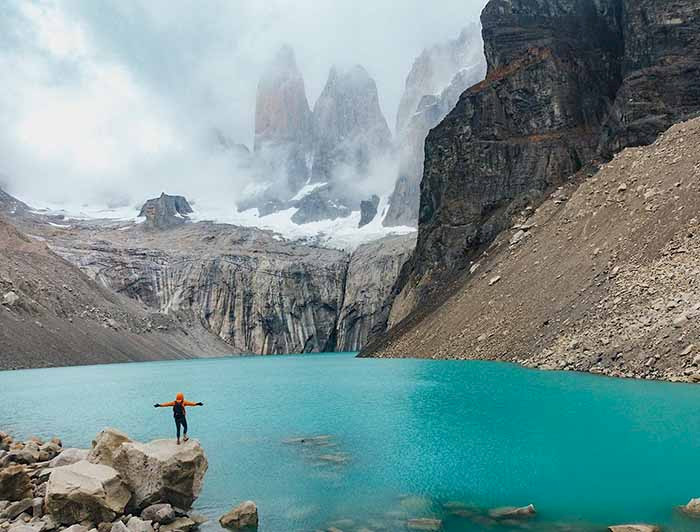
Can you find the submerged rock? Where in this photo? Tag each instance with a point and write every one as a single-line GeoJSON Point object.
{"type": "Point", "coordinates": [508, 512]}
{"type": "Point", "coordinates": [692, 509]}
{"type": "Point", "coordinates": [634, 528]}
{"type": "Point", "coordinates": [85, 491]}
{"type": "Point", "coordinates": [242, 516]}
{"type": "Point", "coordinates": [162, 471]}
{"type": "Point", "coordinates": [424, 524]}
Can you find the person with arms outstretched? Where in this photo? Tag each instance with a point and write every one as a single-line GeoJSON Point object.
{"type": "Point", "coordinates": [179, 413]}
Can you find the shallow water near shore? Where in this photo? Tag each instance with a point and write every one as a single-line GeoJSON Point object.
{"type": "Point", "coordinates": [399, 439]}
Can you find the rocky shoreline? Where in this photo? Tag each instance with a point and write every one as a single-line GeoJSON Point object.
{"type": "Point", "coordinates": [121, 485]}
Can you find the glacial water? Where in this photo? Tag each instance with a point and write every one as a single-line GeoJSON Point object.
{"type": "Point", "coordinates": [401, 438]}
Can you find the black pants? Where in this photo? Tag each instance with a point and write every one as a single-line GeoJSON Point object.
{"type": "Point", "coordinates": [180, 421]}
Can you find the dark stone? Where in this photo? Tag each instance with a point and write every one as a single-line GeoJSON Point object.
{"type": "Point", "coordinates": [166, 211]}
{"type": "Point", "coordinates": [368, 210]}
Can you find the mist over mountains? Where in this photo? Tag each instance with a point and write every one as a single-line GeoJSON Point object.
{"type": "Point", "coordinates": [106, 106]}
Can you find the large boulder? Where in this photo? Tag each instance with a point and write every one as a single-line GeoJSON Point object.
{"type": "Point", "coordinates": [105, 445]}
{"type": "Point", "coordinates": [162, 471]}
{"type": "Point", "coordinates": [244, 515]}
{"type": "Point", "coordinates": [84, 490]}
{"type": "Point", "coordinates": [15, 483]}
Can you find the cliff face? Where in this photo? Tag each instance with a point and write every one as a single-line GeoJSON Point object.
{"type": "Point", "coordinates": [165, 212]}
{"type": "Point", "coordinates": [242, 288]}
{"type": "Point", "coordinates": [567, 82]}
{"type": "Point", "coordinates": [372, 272]}
{"type": "Point", "coordinates": [601, 277]}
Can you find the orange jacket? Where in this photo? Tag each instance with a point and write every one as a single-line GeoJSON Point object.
{"type": "Point", "coordinates": [179, 399]}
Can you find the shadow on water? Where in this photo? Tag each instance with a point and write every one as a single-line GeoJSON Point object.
{"type": "Point", "coordinates": [323, 439]}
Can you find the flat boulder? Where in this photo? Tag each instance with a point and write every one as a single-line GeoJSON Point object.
{"type": "Point", "coordinates": [162, 471]}
{"type": "Point", "coordinates": [105, 445]}
{"type": "Point", "coordinates": [634, 528]}
{"type": "Point", "coordinates": [245, 515]}
{"type": "Point", "coordinates": [85, 491]}
{"type": "Point", "coordinates": [15, 483]}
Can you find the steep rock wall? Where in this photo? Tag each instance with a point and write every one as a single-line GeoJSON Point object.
{"type": "Point", "coordinates": [568, 82]}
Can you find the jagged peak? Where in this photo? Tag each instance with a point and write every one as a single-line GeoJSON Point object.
{"type": "Point", "coordinates": [283, 65]}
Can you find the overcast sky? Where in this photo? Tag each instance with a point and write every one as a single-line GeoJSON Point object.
{"type": "Point", "coordinates": [114, 98]}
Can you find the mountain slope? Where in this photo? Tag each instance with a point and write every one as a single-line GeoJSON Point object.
{"type": "Point", "coordinates": [602, 277]}
{"type": "Point", "coordinates": [52, 314]}
{"type": "Point", "coordinates": [568, 84]}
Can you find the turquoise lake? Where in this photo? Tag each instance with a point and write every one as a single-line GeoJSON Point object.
{"type": "Point", "coordinates": [402, 438]}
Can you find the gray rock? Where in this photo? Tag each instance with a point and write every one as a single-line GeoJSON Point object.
{"type": "Point", "coordinates": [368, 210]}
{"type": "Point", "coordinates": [162, 513]}
{"type": "Point", "coordinates": [183, 524]}
{"type": "Point", "coordinates": [69, 456]}
{"type": "Point", "coordinates": [161, 471]}
{"type": "Point", "coordinates": [76, 528]}
{"type": "Point", "coordinates": [10, 299]}
{"type": "Point", "coordinates": [508, 512]}
{"type": "Point", "coordinates": [15, 484]}
{"type": "Point", "coordinates": [105, 445]}
{"type": "Point", "coordinates": [242, 516]}
{"type": "Point", "coordinates": [119, 526]}
{"type": "Point", "coordinates": [38, 507]}
{"type": "Point", "coordinates": [424, 524]}
{"type": "Point", "coordinates": [139, 525]}
{"type": "Point", "coordinates": [166, 211]}
{"type": "Point", "coordinates": [85, 491]}
{"type": "Point", "coordinates": [16, 508]}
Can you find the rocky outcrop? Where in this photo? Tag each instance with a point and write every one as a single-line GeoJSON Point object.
{"type": "Point", "coordinates": [85, 496]}
{"type": "Point", "coordinates": [245, 515]}
{"type": "Point", "coordinates": [436, 81]}
{"type": "Point", "coordinates": [543, 113]}
{"type": "Point", "coordinates": [368, 210]}
{"type": "Point", "coordinates": [349, 127]}
{"type": "Point", "coordinates": [371, 274]}
{"type": "Point", "coordinates": [85, 491]}
{"type": "Point", "coordinates": [165, 212]}
{"type": "Point", "coordinates": [162, 471]}
{"type": "Point", "coordinates": [283, 121]}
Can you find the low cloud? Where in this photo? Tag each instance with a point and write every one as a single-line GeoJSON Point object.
{"type": "Point", "coordinates": [113, 102]}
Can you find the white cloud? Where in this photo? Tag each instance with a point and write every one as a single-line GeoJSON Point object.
{"type": "Point", "coordinates": [114, 99]}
